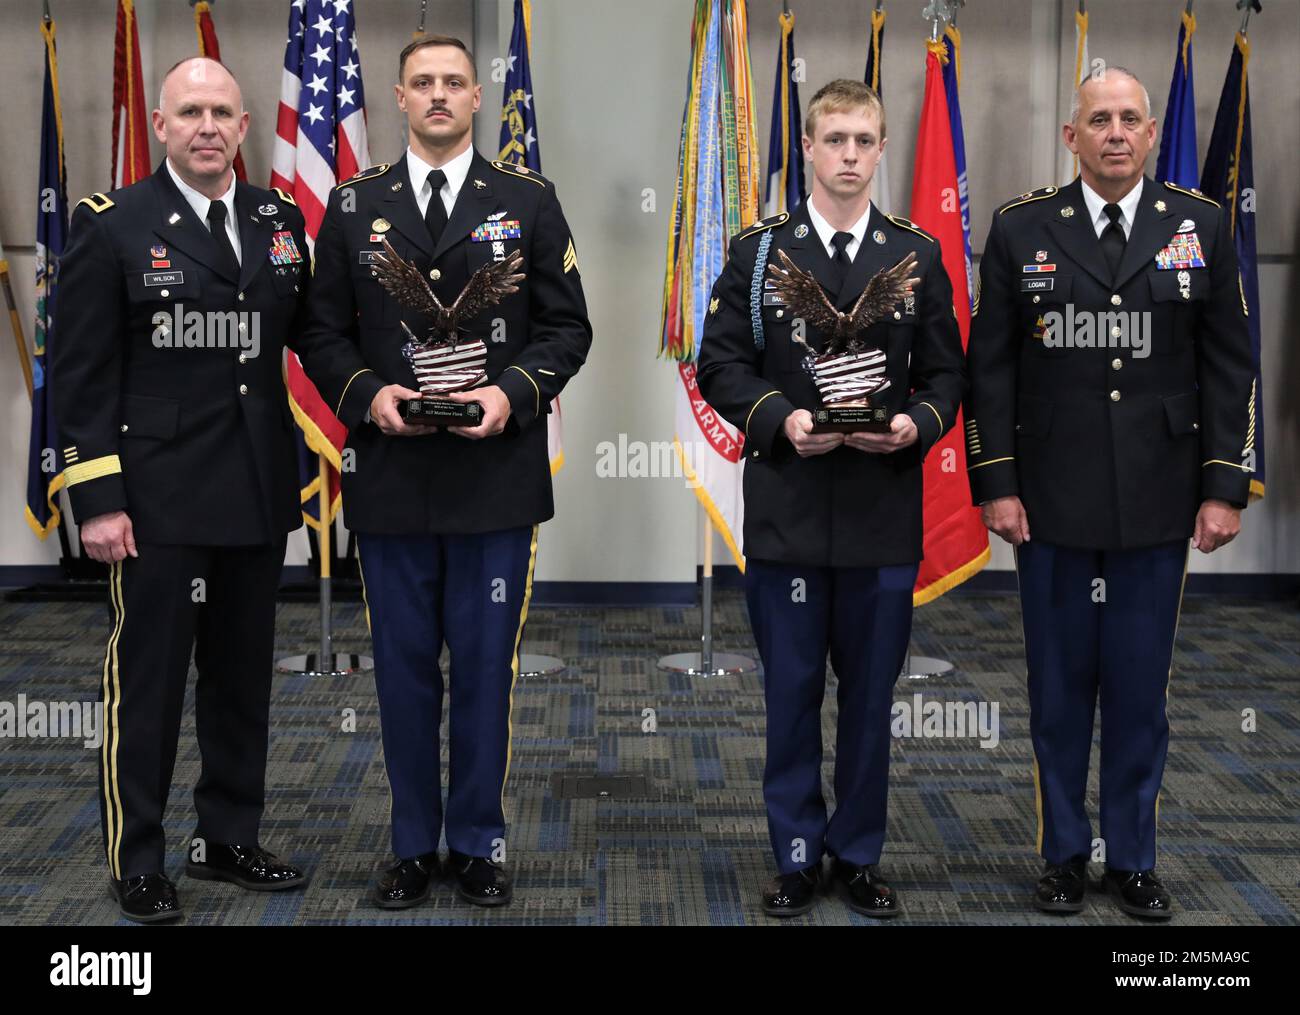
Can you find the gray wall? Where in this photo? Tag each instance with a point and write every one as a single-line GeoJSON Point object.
{"type": "Point", "coordinates": [609, 78]}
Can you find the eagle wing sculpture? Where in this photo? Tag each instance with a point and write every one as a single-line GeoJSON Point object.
{"type": "Point", "coordinates": [885, 290]}
{"type": "Point", "coordinates": [487, 287]}
{"type": "Point", "coordinates": [406, 284]}
{"type": "Point", "coordinates": [802, 293]}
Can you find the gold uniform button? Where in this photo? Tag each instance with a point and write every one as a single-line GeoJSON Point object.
{"type": "Point", "coordinates": [1116, 332]}
{"type": "Point", "coordinates": [1038, 299]}
{"type": "Point", "coordinates": [164, 292]}
{"type": "Point", "coordinates": [1116, 300]}
{"type": "Point", "coordinates": [1114, 396]}
{"type": "Point", "coordinates": [435, 274]}
{"type": "Point", "coordinates": [240, 297]}
{"type": "Point", "coordinates": [244, 359]}
{"type": "Point", "coordinates": [243, 326]}
{"type": "Point", "coordinates": [243, 389]}
{"type": "Point", "coordinates": [124, 428]}
{"type": "Point", "coordinates": [897, 316]}
{"type": "Point", "coordinates": [755, 454]}
{"type": "Point", "coordinates": [1196, 426]}
{"type": "Point", "coordinates": [1116, 363]}
{"type": "Point", "coordinates": [780, 314]}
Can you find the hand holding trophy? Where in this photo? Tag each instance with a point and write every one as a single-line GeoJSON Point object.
{"type": "Point", "coordinates": [441, 361]}
{"type": "Point", "coordinates": [848, 374]}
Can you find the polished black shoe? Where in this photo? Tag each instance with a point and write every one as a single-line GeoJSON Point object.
{"type": "Point", "coordinates": [1139, 893]}
{"type": "Point", "coordinates": [480, 880]}
{"type": "Point", "coordinates": [1062, 886]}
{"type": "Point", "coordinates": [865, 890]}
{"type": "Point", "coordinates": [148, 898]}
{"type": "Point", "coordinates": [793, 894]}
{"type": "Point", "coordinates": [249, 867]}
{"type": "Point", "coordinates": [406, 883]}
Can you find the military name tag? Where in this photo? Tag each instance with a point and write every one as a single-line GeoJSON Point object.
{"type": "Point", "coordinates": [773, 300]}
{"type": "Point", "coordinates": [506, 229]}
{"type": "Point", "coordinates": [368, 256]}
{"type": "Point", "coordinates": [164, 277]}
{"type": "Point", "coordinates": [1034, 285]}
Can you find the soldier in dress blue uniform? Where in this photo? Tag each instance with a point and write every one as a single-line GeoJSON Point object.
{"type": "Point", "coordinates": [447, 521]}
{"type": "Point", "coordinates": [178, 296]}
{"type": "Point", "coordinates": [832, 522]}
{"type": "Point", "coordinates": [1109, 420]}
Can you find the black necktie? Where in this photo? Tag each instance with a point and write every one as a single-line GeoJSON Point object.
{"type": "Point", "coordinates": [1113, 240]}
{"type": "Point", "coordinates": [840, 261]}
{"type": "Point", "coordinates": [217, 226]}
{"type": "Point", "coordinates": [435, 215]}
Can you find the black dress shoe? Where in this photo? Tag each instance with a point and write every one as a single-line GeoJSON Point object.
{"type": "Point", "coordinates": [406, 883]}
{"type": "Point", "coordinates": [793, 894]}
{"type": "Point", "coordinates": [480, 880]}
{"type": "Point", "coordinates": [866, 891]}
{"type": "Point", "coordinates": [1139, 893]}
{"type": "Point", "coordinates": [148, 898]}
{"type": "Point", "coordinates": [1062, 886]}
{"type": "Point", "coordinates": [250, 867]}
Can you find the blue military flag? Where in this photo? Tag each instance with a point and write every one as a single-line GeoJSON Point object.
{"type": "Point", "coordinates": [518, 116]}
{"type": "Point", "coordinates": [951, 88]}
{"type": "Point", "coordinates": [1177, 161]}
{"type": "Point", "coordinates": [785, 189]}
{"type": "Point", "coordinates": [1229, 178]}
{"type": "Point", "coordinates": [44, 479]}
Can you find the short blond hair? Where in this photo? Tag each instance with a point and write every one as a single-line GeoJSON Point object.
{"type": "Point", "coordinates": [841, 96]}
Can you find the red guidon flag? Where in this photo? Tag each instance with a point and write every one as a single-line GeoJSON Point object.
{"type": "Point", "coordinates": [130, 125]}
{"type": "Point", "coordinates": [956, 542]}
{"type": "Point", "coordinates": [208, 47]}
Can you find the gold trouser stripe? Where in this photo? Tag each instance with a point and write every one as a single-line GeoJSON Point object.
{"type": "Point", "coordinates": [362, 572]}
{"type": "Point", "coordinates": [1187, 559]}
{"type": "Point", "coordinates": [514, 665]}
{"type": "Point", "coordinates": [537, 405]}
{"type": "Point", "coordinates": [83, 472]}
{"type": "Point", "coordinates": [339, 408]}
{"type": "Point", "coordinates": [756, 405]}
{"type": "Point", "coordinates": [112, 692]}
{"type": "Point", "coordinates": [1009, 458]}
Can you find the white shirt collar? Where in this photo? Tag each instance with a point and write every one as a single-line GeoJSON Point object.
{"type": "Point", "coordinates": [1096, 205]}
{"type": "Point", "coordinates": [826, 232]}
{"type": "Point", "coordinates": [199, 202]}
{"type": "Point", "coordinates": [457, 169]}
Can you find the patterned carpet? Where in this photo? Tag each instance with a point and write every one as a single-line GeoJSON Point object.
{"type": "Point", "coordinates": [961, 825]}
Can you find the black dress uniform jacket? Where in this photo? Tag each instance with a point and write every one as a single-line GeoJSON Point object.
{"type": "Point", "coordinates": [845, 508]}
{"type": "Point", "coordinates": [194, 443]}
{"type": "Point", "coordinates": [536, 339]}
{"type": "Point", "coordinates": [1106, 449]}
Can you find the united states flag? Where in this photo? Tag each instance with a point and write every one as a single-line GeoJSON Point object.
{"type": "Point", "coordinates": [320, 140]}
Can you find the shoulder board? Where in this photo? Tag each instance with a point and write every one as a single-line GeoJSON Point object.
{"type": "Point", "coordinates": [902, 223]}
{"type": "Point", "coordinates": [510, 169]}
{"type": "Point", "coordinates": [367, 174]}
{"type": "Point", "coordinates": [1028, 198]}
{"type": "Point", "coordinates": [1192, 193]}
{"type": "Point", "coordinates": [98, 203]}
{"type": "Point", "coordinates": [286, 198]}
{"type": "Point", "coordinates": [767, 223]}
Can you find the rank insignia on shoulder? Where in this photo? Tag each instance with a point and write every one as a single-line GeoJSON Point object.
{"type": "Point", "coordinates": [361, 177]}
{"type": "Point", "coordinates": [285, 197]}
{"type": "Point", "coordinates": [570, 257]}
{"type": "Point", "coordinates": [519, 170]}
{"type": "Point", "coordinates": [98, 203]}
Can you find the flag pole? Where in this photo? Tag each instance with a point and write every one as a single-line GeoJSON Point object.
{"type": "Point", "coordinates": [16, 324]}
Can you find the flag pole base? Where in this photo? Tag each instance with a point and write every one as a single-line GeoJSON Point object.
{"type": "Point", "coordinates": [534, 665]}
{"type": "Point", "coordinates": [335, 665]}
{"type": "Point", "coordinates": [925, 667]}
{"type": "Point", "coordinates": [691, 664]}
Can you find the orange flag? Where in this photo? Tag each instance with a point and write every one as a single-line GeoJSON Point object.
{"type": "Point", "coordinates": [207, 32]}
{"type": "Point", "coordinates": [130, 125]}
{"type": "Point", "coordinates": [956, 542]}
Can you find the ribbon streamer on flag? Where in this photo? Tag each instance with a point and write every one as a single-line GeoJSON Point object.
{"type": "Point", "coordinates": [1070, 161]}
{"type": "Point", "coordinates": [1229, 178]}
{"type": "Point", "coordinates": [956, 542]}
{"type": "Point", "coordinates": [519, 146]}
{"type": "Point", "coordinates": [717, 196]}
{"type": "Point", "coordinates": [880, 191]}
{"type": "Point", "coordinates": [785, 182]}
{"type": "Point", "coordinates": [320, 140]}
{"type": "Point", "coordinates": [130, 123]}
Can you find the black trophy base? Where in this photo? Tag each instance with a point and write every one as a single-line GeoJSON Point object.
{"type": "Point", "coordinates": [851, 419]}
{"type": "Point", "coordinates": [441, 412]}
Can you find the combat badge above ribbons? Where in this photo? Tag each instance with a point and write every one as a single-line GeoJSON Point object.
{"type": "Point", "coordinates": [284, 250]}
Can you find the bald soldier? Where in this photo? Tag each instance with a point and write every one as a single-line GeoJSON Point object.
{"type": "Point", "coordinates": [1109, 431]}
{"type": "Point", "coordinates": [178, 295]}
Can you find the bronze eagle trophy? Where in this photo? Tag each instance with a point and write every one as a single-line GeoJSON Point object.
{"type": "Point", "coordinates": [847, 372]}
{"type": "Point", "coordinates": [442, 362]}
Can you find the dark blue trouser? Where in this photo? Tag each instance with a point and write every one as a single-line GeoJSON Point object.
{"type": "Point", "coordinates": [471, 591]}
{"type": "Point", "coordinates": [863, 617]}
{"type": "Point", "coordinates": [1100, 623]}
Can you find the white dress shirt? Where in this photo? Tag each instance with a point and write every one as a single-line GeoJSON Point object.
{"type": "Point", "coordinates": [457, 169]}
{"type": "Point", "coordinates": [200, 205]}
{"type": "Point", "coordinates": [826, 232]}
{"type": "Point", "coordinates": [1096, 205]}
